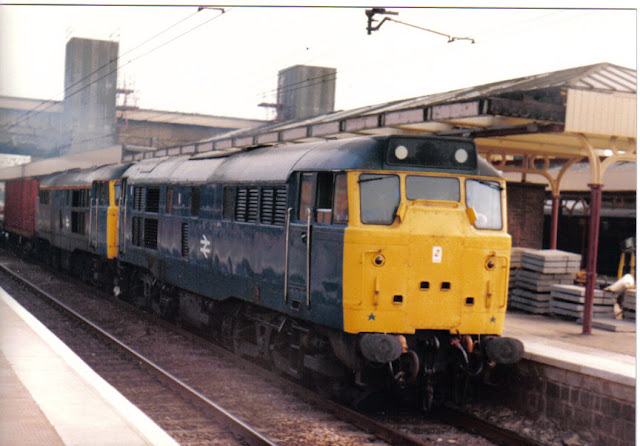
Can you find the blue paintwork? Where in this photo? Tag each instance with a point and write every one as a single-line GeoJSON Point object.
{"type": "Point", "coordinates": [243, 256]}
{"type": "Point", "coordinates": [247, 260]}
{"type": "Point", "coordinates": [59, 209]}
{"type": "Point", "coordinates": [54, 222]}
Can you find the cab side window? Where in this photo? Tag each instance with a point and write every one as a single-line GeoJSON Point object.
{"type": "Point", "coordinates": [325, 193]}
{"type": "Point", "coordinates": [117, 192]}
{"type": "Point", "coordinates": [102, 193]}
{"type": "Point", "coordinates": [340, 201]}
{"type": "Point", "coordinates": [306, 195]}
{"type": "Point", "coordinates": [324, 198]}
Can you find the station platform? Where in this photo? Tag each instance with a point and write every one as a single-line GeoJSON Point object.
{"type": "Point", "coordinates": [610, 355]}
{"type": "Point", "coordinates": [49, 396]}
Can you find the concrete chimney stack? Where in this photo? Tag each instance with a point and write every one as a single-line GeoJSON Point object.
{"type": "Point", "coordinates": [305, 91]}
{"type": "Point", "coordinates": [90, 94]}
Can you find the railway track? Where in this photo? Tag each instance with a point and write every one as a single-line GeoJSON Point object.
{"type": "Point", "coordinates": [243, 432]}
{"type": "Point", "coordinates": [323, 421]}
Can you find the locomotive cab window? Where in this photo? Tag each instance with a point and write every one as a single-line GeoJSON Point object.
{"type": "Point", "coordinates": [433, 188]}
{"type": "Point", "coordinates": [117, 192]}
{"type": "Point", "coordinates": [325, 193]}
{"type": "Point", "coordinates": [379, 198]}
{"type": "Point", "coordinates": [324, 197]}
{"type": "Point", "coordinates": [340, 200]}
{"type": "Point", "coordinates": [306, 195]}
{"type": "Point", "coordinates": [102, 193]}
{"type": "Point", "coordinates": [485, 198]}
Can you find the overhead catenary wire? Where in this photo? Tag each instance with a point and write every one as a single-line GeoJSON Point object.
{"type": "Point", "coordinates": [250, 73]}
{"type": "Point", "coordinates": [488, 31]}
{"type": "Point", "coordinates": [89, 139]}
{"type": "Point", "coordinates": [52, 103]}
{"type": "Point", "coordinates": [35, 109]}
{"type": "Point", "coordinates": [451, 38]}
{"type": "Point", "coordinates": [544, 17]}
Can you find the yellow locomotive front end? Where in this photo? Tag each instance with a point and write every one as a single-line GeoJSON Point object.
{"type": "Point", "coordinates": [432, 255]}
{"type": "Point", "coordinates": [426, 268]}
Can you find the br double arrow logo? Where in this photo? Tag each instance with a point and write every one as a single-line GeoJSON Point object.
{"type": "Point", "coordinates": [205, 244]}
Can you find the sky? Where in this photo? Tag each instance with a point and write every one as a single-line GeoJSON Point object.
{"type": "Point", "coordinates": [177, 58]}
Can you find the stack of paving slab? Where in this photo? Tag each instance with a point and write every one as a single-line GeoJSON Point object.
{"type": "Point", "coordinates": [538, 271]}
{"type": "Point", "coordinates": [629, 305]}
{"type": "Point", "coordinates": [516, 259]}
{"type": "Point", "coordinates": [568, 300]}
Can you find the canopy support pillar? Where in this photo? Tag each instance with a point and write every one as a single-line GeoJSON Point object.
{"type": "Point", "coordinates": [555, 212]}
{"type": "Point", "coordinates": [592, 255]}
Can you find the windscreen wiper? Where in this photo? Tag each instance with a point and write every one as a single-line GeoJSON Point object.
{"type": "Point", "coordinates": [491, 184]}
{"type": "Point", "coordinates": [360, 180]}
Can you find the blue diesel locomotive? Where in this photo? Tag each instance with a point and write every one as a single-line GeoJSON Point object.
{"type": "Point", "coordinates": [379, 261]}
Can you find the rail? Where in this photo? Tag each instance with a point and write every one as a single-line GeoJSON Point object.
{"type": "Point", "coordinates": [218, 413]}
{"type": "Point", "coordinates": [448, 415]}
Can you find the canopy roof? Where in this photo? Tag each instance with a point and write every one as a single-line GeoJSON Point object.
{"type": "Point", "coordinates": [584, 112]}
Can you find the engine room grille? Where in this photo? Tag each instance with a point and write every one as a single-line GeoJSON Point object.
{"type": "Point", "coordinates": [80, 198]}
{"type": "Point", "coordinates": [138, 198]}
{"type": "Point", "coordinates": [136, 231]}
{"type": "Point", "coordinates": [241, 203]}
{"type": "Point", "coordinates": [280, 207]}
{"type": "Point", "coordinates": [266, 205]}
{"type": "Point", "coordinates": [185, 239]}
{"type": "Point", "coordinates": [151, 233]}
{"type": "Point", "coordinates": [43, 195]}
{"type": "Point", "coordinates": [273, 206]}
{"type": "Point", "coordinates": [252, 205]}
{"type": "Point", "coordinates": [78, 224]}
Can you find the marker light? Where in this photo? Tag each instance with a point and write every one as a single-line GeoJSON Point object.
{"type": "Point", "coordinates": [402, 152]}
{"type": "Point", "coordinates": [461, 155]}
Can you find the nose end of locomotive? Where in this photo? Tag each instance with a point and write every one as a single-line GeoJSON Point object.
{"type": "Point", "coordinates": [503, 350]}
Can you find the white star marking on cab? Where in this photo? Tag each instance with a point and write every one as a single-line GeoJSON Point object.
{"type": "Point", "coordinates": [204, 246]}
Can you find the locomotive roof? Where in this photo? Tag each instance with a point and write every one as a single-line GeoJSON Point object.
{"type": "Point", "coordinates": [84, 177]}
{"type": "Point", "coordinates": [273, 164]}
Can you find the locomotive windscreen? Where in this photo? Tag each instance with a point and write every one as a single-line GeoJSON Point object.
{"type": "Point", "coordinates": [432, 152]}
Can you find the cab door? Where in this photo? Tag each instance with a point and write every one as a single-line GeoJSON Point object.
{"type": "Point", "coordinates": [298, 256]}
{"type": "Point", "coordinates": [315, 246]}
{"type": "Point", "coordinates": [98, 216]}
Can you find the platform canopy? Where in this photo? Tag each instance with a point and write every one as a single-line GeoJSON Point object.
{"type": "Point", "coordinates": [524, 124]}
{"type": "Point", "coordinates": [528, 125]}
